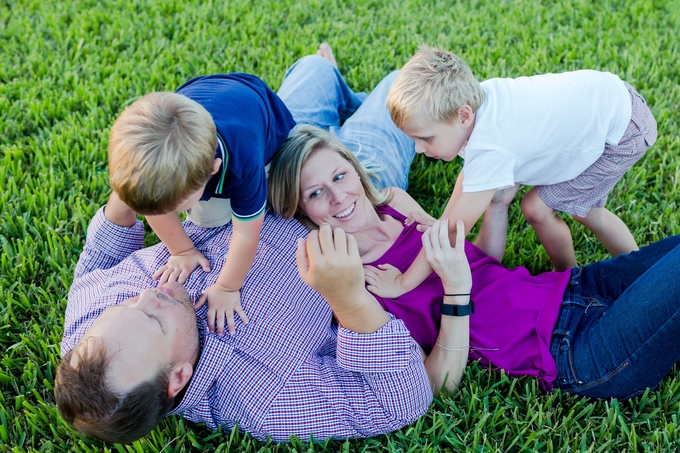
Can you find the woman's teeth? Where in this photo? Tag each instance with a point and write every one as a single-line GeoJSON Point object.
{"type": "Point", "coordinates": [346, 212]}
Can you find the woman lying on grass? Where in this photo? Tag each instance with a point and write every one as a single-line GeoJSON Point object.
{"type": "Point", "coordinates": [608, 329]}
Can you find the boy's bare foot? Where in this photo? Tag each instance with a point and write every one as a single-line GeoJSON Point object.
{"type": "Point", "coordinates": [326, 52]}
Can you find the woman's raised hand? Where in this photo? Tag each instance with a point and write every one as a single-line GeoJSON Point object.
{"type": "Point", "coordinates": [450, 263]}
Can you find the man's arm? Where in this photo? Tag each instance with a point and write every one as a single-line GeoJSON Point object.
{"type": "Point", "coordinates": [374, 382]}
{"type": "Point", "coordinates": [330, 263]}
{"type": "Point", "coordinates": [113, 234]}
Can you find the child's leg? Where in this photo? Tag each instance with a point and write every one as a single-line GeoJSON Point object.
{"type": "Point", "coordinates": [610, 230]}
{"type": "Point", "coordinates": [551, 230]}
{"type": "Point", "coordinates": [584, 196]}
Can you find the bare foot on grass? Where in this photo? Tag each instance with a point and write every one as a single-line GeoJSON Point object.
{"type": "Point", "coordinates": [326, 52]}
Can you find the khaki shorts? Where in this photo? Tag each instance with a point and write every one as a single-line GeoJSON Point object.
{"type": "Point", "coordinates": [214, 212]}
{"type": "Point", "coordinates": [210, 214]}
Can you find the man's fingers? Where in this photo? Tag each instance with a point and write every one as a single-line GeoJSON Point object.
{"type": "Point", "coordinates": [352, 247]}
{"type": "Point", "coordinates": [340, 240]}
{"type": "Point", "coordinates": [326, 239]}
{"type": "Point", "coordinates": [301, 258]}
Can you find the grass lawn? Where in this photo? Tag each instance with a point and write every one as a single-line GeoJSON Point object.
{"type": "Point", "coordinates": [67, 69]}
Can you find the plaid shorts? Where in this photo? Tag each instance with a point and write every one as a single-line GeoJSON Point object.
{"type": "Point", "coordinates": [590, 189]}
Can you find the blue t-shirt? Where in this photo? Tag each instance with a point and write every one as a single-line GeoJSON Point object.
{"type": "Point", "coordinates": [252, 123]}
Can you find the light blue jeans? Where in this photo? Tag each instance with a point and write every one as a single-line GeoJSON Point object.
{"type": "Point", "coordinates": [315, 93]}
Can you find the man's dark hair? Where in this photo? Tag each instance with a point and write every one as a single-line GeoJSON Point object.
{"type": "Point", "coordinates": [90, 407]}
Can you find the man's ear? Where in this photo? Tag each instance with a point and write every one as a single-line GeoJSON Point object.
{"type": "Point", "coordinates": [216, 165]}
{"type": "Point", "coordinates": [466, 116]}
{"type": "Point", "coordinates": [179, 377]}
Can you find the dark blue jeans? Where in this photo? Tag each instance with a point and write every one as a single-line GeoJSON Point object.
{"type": "Point", "coordinates": [618, 331]}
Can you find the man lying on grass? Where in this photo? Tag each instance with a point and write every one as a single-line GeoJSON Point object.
{"type": "Point", "coordinates": [134, 353]}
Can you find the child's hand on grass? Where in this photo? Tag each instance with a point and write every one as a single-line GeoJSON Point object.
{"type": "Point", "coordinates": [384, 280]}
{"type": "Point", "coordinates": [222, 304]}
{"type": "Point", "coordinates": [180, 266]}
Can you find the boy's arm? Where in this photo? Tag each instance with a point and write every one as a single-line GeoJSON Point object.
{"type": "Point", "coordinates": [465, 206]}
{"type": "Point", "coordinates": [494, 230]}
{"type": "Point", "coordinates": [224, 296]}
{"type": "Point", "coordinates": [185, 258]}
{"type": "Point", "coordinates": [387, 281]}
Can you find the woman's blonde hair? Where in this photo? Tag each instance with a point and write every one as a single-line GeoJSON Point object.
{"type": "Point", "coordinates": [161, 150]}
{"type": "Point", "coordinates": [436, 83]}
{"type": "Point", "coordinates": [284, 173]}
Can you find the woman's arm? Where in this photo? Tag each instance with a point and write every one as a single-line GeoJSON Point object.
{"type": "Point", "coordinates": [448, 359]}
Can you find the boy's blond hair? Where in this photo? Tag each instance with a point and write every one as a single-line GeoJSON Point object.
{"type": "Point", "coordinates": [435, 83]}
{"type": "Point", "coordinates": [161, 150]}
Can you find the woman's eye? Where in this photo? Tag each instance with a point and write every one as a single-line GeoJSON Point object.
{"type": "Point", "coordinates": [314, 194]}
{"type": "Point", "coordinates": [339, 177]}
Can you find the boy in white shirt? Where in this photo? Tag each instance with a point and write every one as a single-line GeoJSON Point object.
{"type": "Point", "coordinates": [570, 135]}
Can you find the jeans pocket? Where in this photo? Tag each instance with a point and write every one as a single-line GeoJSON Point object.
{"type": "Point", "coordinates": [566, 373]}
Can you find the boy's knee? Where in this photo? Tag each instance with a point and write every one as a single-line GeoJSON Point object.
{"type": "Point", "coordinates": [593, 220]}
{"type": "Point", "coordinates": [534, 209]}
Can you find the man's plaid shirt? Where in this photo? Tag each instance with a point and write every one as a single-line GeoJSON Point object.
{"type": "Point", "coordinates": [291, 370]}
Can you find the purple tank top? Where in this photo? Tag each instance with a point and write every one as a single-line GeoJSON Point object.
{"type": "Point", "coordinates": [514, 316]}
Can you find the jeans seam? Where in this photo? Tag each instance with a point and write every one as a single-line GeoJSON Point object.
{"type": "Point", "coordinates": [604, 378]}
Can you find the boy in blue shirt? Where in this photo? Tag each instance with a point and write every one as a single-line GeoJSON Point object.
{"type": "Point", "coordinates": [202, 149]}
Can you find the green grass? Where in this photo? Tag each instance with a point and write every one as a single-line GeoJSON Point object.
{"type": "Point", "coordinates": [68, 68]}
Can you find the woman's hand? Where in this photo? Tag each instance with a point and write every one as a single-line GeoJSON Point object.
{"type": "Point", "coordinates": [448, 262]}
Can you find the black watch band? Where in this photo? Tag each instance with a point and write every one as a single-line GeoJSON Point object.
{"type": "Point", "coordinates": [457, 310]}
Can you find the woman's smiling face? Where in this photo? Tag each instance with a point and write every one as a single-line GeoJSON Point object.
{"type": "Point", "coordinates": [331, 192]}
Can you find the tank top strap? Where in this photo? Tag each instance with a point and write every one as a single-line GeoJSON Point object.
{"type": "Point", "coordinates": [390, 211]}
